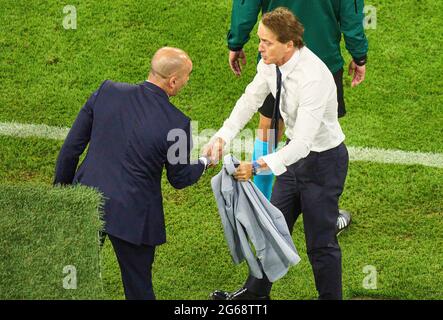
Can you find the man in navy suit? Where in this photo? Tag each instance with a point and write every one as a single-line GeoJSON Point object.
{"type": "Point", "coordinates": [133, 131]}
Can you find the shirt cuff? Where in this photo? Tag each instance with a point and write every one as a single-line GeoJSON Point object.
{"type": "Point", "coordinates": [275, 163]}
{"type": "Point", "coordinates": [225, 134]}
{"type": "Point", "coordinates": [204, 160]}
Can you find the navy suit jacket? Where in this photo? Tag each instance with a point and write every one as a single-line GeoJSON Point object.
{"type": "Point", "coordinates": [127, 127]}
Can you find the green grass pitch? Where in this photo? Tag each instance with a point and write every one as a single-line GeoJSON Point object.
{"type": "Point", "coordinates": [47, 73]}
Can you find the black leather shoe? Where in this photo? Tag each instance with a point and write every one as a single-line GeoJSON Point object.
{"type": "Point", "coordinates": [219, 295]}
{"type": "Point", "coordinates": [245, 294]}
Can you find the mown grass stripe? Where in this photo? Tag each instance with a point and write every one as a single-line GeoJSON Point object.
{"type": "Point", "coordinates": [355, 153]}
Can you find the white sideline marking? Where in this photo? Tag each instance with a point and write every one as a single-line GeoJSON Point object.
{"type": "Point", "coordinates": [396, 156]}
{"type": "Point", "coordinates": [355, 153]}
{"type": "Point", "coordinates": [32, 130]}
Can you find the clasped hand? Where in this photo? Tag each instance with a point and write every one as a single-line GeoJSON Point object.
{"type": "Point", "coordinates": [214, 151]}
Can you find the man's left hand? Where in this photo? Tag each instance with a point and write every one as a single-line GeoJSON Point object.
{"type": "Point", "coordinates": [234, 61]}
{"type": "Point", "coordinates": [358, 72]}
{"type": "Point", "coordinates": [244, 171]}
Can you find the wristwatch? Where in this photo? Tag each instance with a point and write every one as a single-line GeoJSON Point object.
{"type": "Point", "coordinates": [255, 167]}
{"type": "Point", "coordinates": [360, 61]}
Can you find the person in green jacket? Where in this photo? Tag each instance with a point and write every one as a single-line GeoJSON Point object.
{"type": "Point", "coordinates": [324, 23]}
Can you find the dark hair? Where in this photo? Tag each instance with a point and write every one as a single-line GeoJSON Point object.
{"type": "Point", "coordinates": [285, 25]}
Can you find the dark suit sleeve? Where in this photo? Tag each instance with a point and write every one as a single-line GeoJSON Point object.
{"type": "Point", "coordinates": [75, 143]}
{"type": "Point", "coordinates": [179, 170]}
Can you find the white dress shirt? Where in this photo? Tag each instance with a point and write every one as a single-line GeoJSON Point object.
{"type": "Point", "coordinates": [308, 106]}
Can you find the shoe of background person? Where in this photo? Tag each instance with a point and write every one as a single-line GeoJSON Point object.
{"type": "Point", "coordinates": [219, 295]}
{"type": "Point", "coordinates": [343, 221]}
{"type": "Point", "coordinates": [241, 294]}
{"type": "Point", "coordinates": [245, 294]}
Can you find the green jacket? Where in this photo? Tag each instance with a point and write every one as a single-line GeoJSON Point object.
{"type": "Point", "coordinates": [324, 22]}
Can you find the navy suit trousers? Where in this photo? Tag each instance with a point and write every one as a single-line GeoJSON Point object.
{"type": "Point", "coordinates": [313, 186]}
{"type": "Point", "coordinates": [135, 263]}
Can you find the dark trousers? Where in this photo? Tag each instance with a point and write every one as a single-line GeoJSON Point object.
{"type": "Point", "coordinates": [313, 186]}
{"type": "Point", "coordinates": [135, 263]}
{"type": "Point", "coordinates": [338, 78]}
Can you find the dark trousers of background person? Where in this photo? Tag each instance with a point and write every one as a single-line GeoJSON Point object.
{"type": "Point", "coordinates": [135, 263]}
{"type": "Point", "coordinates": [313, 186]}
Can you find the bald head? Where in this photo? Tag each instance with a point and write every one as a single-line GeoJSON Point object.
{"type": "Point", "coordinates": [170, 69]}
{"type": "Point", "coordinates": [169, 61]}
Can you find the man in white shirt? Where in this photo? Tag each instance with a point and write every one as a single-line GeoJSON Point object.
{"type": "Point", "coordinates": [311, 168]}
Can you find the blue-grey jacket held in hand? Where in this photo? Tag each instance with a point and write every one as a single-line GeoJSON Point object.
{"type": "Point", "coordinates": [246, 213]}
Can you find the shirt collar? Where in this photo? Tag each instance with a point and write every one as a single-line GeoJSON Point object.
{"type": "Point", "coordinates": [154, 88]}
{"type": "Point", "coordinates": [286, 68]}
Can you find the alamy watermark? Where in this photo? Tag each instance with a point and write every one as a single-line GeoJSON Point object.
{"type": "Point", "coordinates": [70, 280]}
{"type": "Point", "coordinates": [370, 281]}
{"type": "Point", "coordinates": [370, 20]}
{"type": "Point", "coordinates": [70, 19]}
{"type": "Point", "coordinates": [183, 148]}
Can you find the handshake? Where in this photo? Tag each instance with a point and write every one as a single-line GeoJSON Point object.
{"type": "Point", "coordinates": [213, 152]}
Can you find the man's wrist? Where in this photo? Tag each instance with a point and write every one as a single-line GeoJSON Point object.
{"type": "Point", "coordinates": [255, 167]}
{"type": "Point", "coordinates": [236, 49]}
{"type": "Point", "coordinates": [205, 161]}
{"type": "Point", "coordinates": [262, 163]}
{"type": "Point", "coordinates": [361, 61]}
